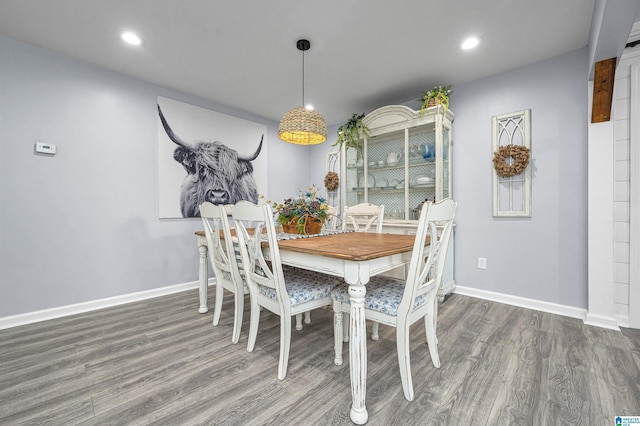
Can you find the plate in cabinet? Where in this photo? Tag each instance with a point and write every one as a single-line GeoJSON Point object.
{"type": "Point", "coordinates": [370, 182]}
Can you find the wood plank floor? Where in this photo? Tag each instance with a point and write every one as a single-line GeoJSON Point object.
{"type": "Point", "coordinates": [161, 362]}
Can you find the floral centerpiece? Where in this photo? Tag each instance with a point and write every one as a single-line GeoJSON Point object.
{"type": "Point", "coordinates": [437, 95]}
{"type": "Point", "coordinates": [304, 214]}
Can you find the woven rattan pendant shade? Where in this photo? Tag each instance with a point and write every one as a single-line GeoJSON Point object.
{"type": "Point", "coordinates": [299, 125]}
{"type": "Point", "coordinates": [302, 127]}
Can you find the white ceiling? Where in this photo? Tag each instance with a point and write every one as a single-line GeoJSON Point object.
{"type": "Point", "coordinates": [364, 54]}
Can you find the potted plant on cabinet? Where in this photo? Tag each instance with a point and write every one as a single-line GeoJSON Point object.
{"type": "Point", "coordinates": [350, 133]}
{"type": "Point", "coordinates": [435, 96]}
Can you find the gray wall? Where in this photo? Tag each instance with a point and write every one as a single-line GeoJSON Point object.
{"type": "Point", "coordinates": [543, 257]}
{"type": "Point", "coordinates": [83, 225]}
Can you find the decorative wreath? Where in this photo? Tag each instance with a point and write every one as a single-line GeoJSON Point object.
{"type": "Point", "coordinates": [331, 181]}
{"type": "Point", "coordinates": [518, 153]}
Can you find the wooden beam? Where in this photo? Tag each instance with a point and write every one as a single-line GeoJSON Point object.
{"type": "Point", "coordinates": [604, 76]}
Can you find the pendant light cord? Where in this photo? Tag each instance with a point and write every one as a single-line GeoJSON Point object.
{"type": "Point", "coordinates": [303, 79]}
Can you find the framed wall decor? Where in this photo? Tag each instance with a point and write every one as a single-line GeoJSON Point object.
{"type": "Point", "coordinates": [204, 155]}
{"type": "Point", "coordinates": [511, 171]}
{"type": "Point", "coordinates": [333, 165]}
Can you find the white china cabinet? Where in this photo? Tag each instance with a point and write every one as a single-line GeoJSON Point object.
{"type": "Point", "coordinates": [405, 160]}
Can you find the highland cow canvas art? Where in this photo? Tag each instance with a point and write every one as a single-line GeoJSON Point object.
{"type": "Point", "coordinates": [207, 156]}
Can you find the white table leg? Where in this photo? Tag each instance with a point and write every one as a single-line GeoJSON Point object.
{"type": "Point", "coordinates": [358, 354]}
{"type": "Point", "coordinates": [203, 279]}
{"type": "Point", "coordinates": [337, 335]}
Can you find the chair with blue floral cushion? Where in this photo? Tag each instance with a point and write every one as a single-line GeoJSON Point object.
{"type": "Point", "coordinates": [399, 304]}
{"type": "Point", "coordinates": [224, 262]}
{"type": "Point", "coordinates": [285, 291]}
{"type": "Point", "coordinates": [363, 217]}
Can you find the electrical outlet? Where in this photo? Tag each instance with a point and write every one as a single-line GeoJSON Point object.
{"type": "Point", "coordinates": [482, 263]}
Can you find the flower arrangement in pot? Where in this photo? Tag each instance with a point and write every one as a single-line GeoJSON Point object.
{"type": "Point", "coordinates": [304, 214]}
{"type": "Point", "coordinates": [435, 96]}
{"type": "Point", "coordinates": [350, 133]}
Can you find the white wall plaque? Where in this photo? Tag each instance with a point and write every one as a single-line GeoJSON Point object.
{"type": "Point", "coordinates": [512, 195]}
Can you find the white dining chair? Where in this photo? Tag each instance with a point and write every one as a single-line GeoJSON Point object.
{"type": "Point", "coordinates": [226, 264]}
{"type": "Point", "coordinates": [400, 304]}
{"type": "Point", "coordinates": [285, 291]}
{"type": "Point", "coordinates": [332, 219]}
{"type": "Point", "coordinates": [224, 259]}
{"type": "Point", "coordinates": [362, 217]}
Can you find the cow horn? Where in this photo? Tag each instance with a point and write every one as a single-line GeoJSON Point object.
{"type": "Point", "coordinates": [170, 133]}
{"type": "Point", "coordinates": [255, 155]}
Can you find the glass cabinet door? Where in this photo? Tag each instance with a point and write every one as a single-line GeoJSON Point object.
{"type": "Point", "coordinates": [385, 173]}
{"type": "Point", "coordinates": [445, 175]}
{"type": "Point", "coordinates": [402, 164]}
{"type": "Point", "coordinates": [422, 169]}
{"type": "Point", "coordinates": [355, 168]}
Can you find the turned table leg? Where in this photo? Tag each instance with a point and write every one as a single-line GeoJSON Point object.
{"type": "Point", "coordinates": [337, 335]}
{"type": "Point", "coordinates": [358, 354]}
{"type": "Point", "coordinates": [203, 279]}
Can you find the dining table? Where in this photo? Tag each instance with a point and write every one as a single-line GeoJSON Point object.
{"type": "Point", "coordinates": [355, 257]}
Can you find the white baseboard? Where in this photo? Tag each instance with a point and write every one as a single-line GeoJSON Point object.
{"type": "Point", "coordinates": [601, 321]}
{"type": "Point", "coordinates": [47, 314]}
{"type": "Point", "coordinates": [552, 308]}
{"type": "Point", "coordinates": [623, 320]}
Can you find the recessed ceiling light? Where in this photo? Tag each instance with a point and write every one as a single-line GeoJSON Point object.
{"type": "Point", "coordinates": [308, 107]}
{"type": "Point", "coordinates": [470, 43]}
{"type": "Point", "coordinates": [131, 38]}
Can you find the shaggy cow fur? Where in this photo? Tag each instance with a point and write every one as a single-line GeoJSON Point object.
{"type": "Point", "coordinates": [215, 173]}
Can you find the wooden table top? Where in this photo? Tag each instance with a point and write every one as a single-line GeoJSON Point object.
{"type": "Point", "coordinates": [233, 232]}
{"type": "Point", "coordinates": [354, 246]}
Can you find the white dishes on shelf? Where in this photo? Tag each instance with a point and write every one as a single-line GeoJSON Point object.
{"type": "Point", "coordinates": [371, 182]}
{"type": "Point", "coordinates": [382, 183]}
{"type": "Point", "coordinates": [422, 180]}
{"type": "Point", "coordinates": [414, 180]}
{"type": "Point", "coordinates": [393, 158]}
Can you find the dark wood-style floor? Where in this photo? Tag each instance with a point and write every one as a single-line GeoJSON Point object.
{"type": "Point", "coordinates": [161, 362]}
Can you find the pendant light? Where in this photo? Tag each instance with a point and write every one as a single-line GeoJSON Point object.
{"type": "Point", "coordinates": [301, 126]}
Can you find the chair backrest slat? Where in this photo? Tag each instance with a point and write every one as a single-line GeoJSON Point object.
{"type": "Point", "coordinates": [362, 217]}
{"type": "Point", "coordinates": [426, 269]}
{"type": "Point", "coordinates": [332, 219]}
{"type": "Point", "coordinates": [222, 253]}
{"type": "Point", "coordinates": [254, 227]}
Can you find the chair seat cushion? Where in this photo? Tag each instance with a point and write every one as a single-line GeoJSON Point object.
{"type": "Point", "coordinates": [383, 295]}
{"type": "Point", "coordinates": [227, 276]}
{"type": "Point", "coordinates": [303, 286]}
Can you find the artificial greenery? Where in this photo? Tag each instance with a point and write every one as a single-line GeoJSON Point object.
{"type": "Point", "coordinates": [350, 133]}
{"type": "Point", "coordinates": [296, 211]}
{"type": "Point", "coordinates": [439, 94]}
